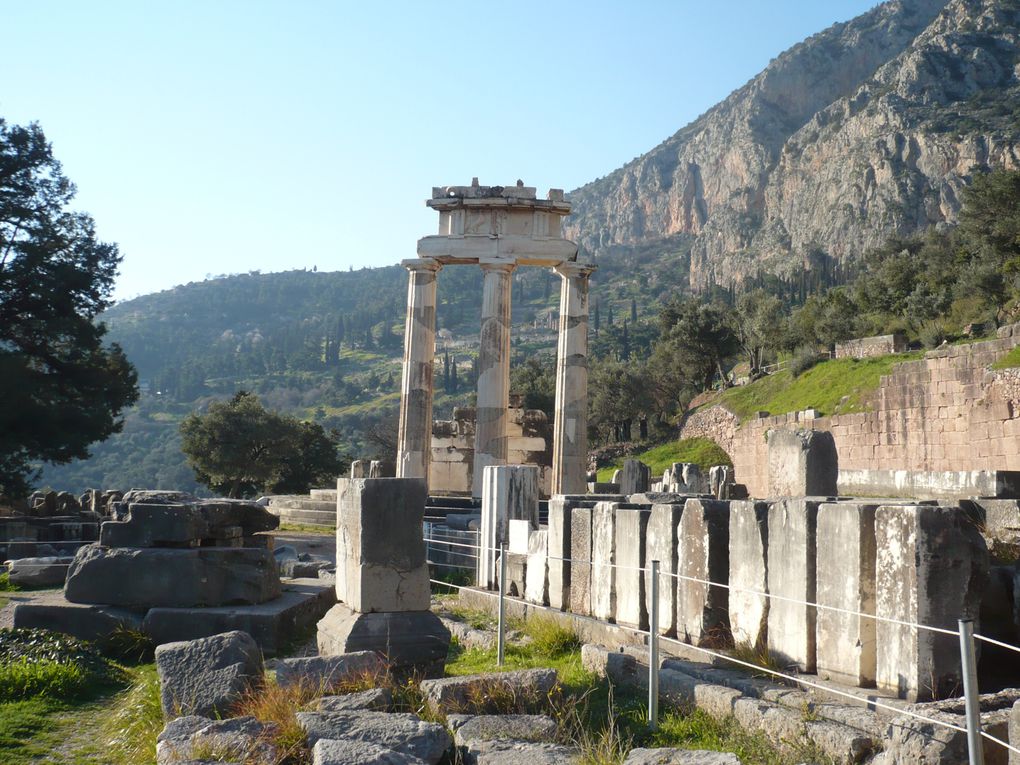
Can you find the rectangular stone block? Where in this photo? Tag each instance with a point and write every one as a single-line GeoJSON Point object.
{"type": "Point", "coordinates": [381, 564]}
{"type": "Point", "coordinates": [749, 544]}
{"type": "Point", "coordinates": [302, 603]}
{"type": "Point", "coordinates": [631, 528]}
{"type": "Point", "coordinates": [508, 492]}
{"type": "Point", "coordinates": [558, 564]}
{"type": "Point", "coordinates": [635, 477]}
{"type": "Point", "coordinates": [580, 560]}
{"type": "Point", "coordinates": [518, 536]}
{"type": "Point", "coordinates": [791, 574]}
{"type": "Point", "coordinates": [661, 545]}
{"type": "Point", "coordinates": [931, 568]}
{"type": "Point", "coordinates": [846, 580]}
{"type": "Point", "coordinates": [145, 577]}
{"type": "Point", "coordinates": [603, 556]}
{"type": "Point", "coordinates": [536, 589]}
{"type": "Point", "coordinates": [703, 554]}
{"type": "Point", "coordinates": [802, 463]}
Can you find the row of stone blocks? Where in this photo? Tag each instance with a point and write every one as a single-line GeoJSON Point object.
{"type": "Point", "coordinates": [828, 586]}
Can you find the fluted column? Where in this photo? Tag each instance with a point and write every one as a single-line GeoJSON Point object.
{"type": "Point", "coordinates": [414, 440]}
{"type": "Point", "coordinates": [570, 424]}
{"type": "Point", "coordinates": [493, 370]}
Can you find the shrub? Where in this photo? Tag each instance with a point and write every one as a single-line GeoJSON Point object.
{"type": "Point", "coordinates": [129, 645]}
{"type": "Point", "coordinates": [40, 662]}
{"type": "Point", "coordinates": [803, 359]}
{"type": "Point", "coordinates": [6, 585]}
{"type": "Point", "coordinates": [551, 638]}
{"type": "Point", "coordinates": [933, 334]}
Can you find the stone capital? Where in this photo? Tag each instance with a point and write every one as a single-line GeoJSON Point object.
{"type": "Point", "coordinates": [499, 264]}
{"type": "Point", "coordinates": [421, 264]}
{"type": "Point", "coordinates": [572, 270]}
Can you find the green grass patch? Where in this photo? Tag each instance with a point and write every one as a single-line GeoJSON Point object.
{"type": "Point", "coordinates": [823, 387]}
{"type": "Point", "coordinates": [73, 730]}
{"type": "Point", "coordinates": [704, 452]}
{"type": "Point", "coordinates": [129, 730]}
{"type": "Point", "coordinates": [1009, 361]}
{"type": "Point", "coordinates": [43, 663]}
{"type": "Point", "coordinates": [605, 722]}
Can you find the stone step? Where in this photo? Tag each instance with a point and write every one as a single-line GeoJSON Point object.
{"type": "Point", "coordinates": [324, 495]}
{"type": "Point", "coordinates": [311, 517]}
{"type": "Point", "coordinates": [302, 503]}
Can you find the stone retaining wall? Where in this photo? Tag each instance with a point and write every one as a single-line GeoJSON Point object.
{"type": "Point", "coordinates": [947, 412]}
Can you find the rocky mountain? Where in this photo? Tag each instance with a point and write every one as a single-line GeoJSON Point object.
{"type": "Point", "coordinates": [865, 130]}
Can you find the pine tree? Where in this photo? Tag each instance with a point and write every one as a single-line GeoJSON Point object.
{"type": "Point", "coordinates": [596, 318]}
{"type": "Point", "coordinates": [633, 311]}
{"type": "Point", "coordinates": [625, 344]}
{"type": "Point", "coordinates": [453, 375]}
{"type": "Point", "coordinates": [609, 316]}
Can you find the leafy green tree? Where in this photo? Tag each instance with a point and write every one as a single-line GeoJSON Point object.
{"type": "Point", "coordinates": [62, 388]}
{"type": "Point", "coordinates": [239, 448]}
{"type": "Point", "coordinates": [703, 336]}
{"type": "Point", "coordinates": [760, 326]}
{"type": "Point", "coordinates": [617, 395]}
{"type": "Point", "coordinates": [536, 381]}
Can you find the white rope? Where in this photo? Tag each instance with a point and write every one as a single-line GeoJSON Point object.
{"type": "Point", "coordinates": [999, 643]}
{"type": "Point", "coordinates": [748, 591]}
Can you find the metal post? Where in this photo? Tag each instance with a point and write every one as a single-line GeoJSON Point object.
{"type": "Point", "coordinates": [970, 692]}
{"type": "Point", "coordinates": [653, 650]}
{"type": "Point", "coordinates": [501, 638]}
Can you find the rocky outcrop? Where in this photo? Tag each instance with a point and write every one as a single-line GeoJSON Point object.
{"type": "Point", "coordinates": [867, 129]}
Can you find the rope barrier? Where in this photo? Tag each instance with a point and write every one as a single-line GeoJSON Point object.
{"type": "Point", "coordinates": [757, 593]}
{"type": "Point", "coordinates": [775, 673]}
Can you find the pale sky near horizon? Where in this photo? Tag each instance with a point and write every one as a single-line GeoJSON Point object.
{"type": "Point", "coordinates": [221, 137]}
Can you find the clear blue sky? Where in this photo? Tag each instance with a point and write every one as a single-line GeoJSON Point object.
{"type": "Point", "coordinates": [222, 137]}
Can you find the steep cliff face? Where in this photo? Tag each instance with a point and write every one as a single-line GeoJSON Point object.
{"type": "Point", "coordinates": [867, 129]}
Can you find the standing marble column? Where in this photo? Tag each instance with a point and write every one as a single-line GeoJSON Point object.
{"type": "Point", "coordinates": [570, 425]}
{"type": "Point", "coordinates": [493, 369]}
{"type": "Point", "coordinates": [414, 442]}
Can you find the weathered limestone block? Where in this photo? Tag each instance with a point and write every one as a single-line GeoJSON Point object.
{"type": "Point", "coordinates": [509, 752]}
{"type": "Point", "coordinates": [468, 729]}
{"type": "Point", "coordinates": [558, 564]}
{"type": "Point", "coordinates": [405, 733]}
{"type": "Point", "coordinates": [410, 641]}
{"type": "Point", "coordinates": [802, 463]}
{"type": "Point", "coordinates": [720, 478]}
{"type": "Point", "coordinates": [241, 739]}
{"type": "Point", "coordinates": [49, 571]}
{"type": "Point", "coordinates": [175, 524]}
{"type": "Point", "coordinates": [358, 468]}
{"type": "Point", "coordinates": [791, 574]}
{"type": "Point", "coordinates": [381, 563]}
{"type": "Point", "coordinates": [703, 554]}
{"type": "Point", "coordinates": [372, 700]}
{"type": "Point", "coordinates": [580, 560]}
{"type": "Point", "coordinates": [669, 756]}
{"type": "Point", "coordinates": [481, 694]}
{"type": "Point", "coordinates": [631, 540]}
{"type": "Point", "coordinates": [931, 568]}
{"type": "Point", "coordinates": [508, 492]}
{"type": "Point", "coordinates": [147, 577]}
{"type": "Point", "coordinates": [635, 477]}
{"type": "Point", "coordinates": [661, 545]}
{"type": "Point", "coordinates": [344, 751]}
{"type": "Point", "coordinates": [603, 558]}
{"type": "Point", "coordinates": [208, 675]}
{"type": "Point", "coordinates": [325, 673]}
{"type": "Point", "coordinates": [845, 569]}
{"type": "Point", "coordinates": [536, 583]}
{"type": "Point", "coordinates": [749, 544]}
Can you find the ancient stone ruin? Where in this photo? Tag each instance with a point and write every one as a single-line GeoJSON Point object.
{"type": "Point", "coordinates": [499, 229]}
{"type": "Point", "coordinates": [382, 579]}
{"type": "Point", "coordinates": [176, 568]}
